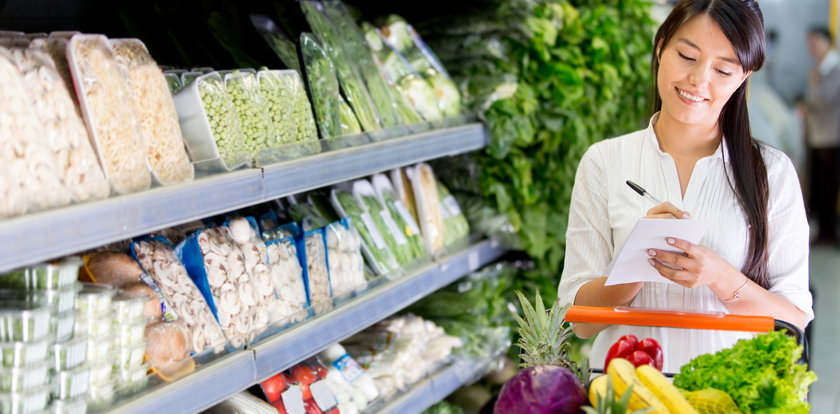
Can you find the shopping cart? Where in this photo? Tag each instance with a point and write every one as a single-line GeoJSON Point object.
{"type": "Point", "coordinates": [687, 320]}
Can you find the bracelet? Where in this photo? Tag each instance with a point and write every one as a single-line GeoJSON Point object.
{"type": "Point", "coordinates": [737, 295]}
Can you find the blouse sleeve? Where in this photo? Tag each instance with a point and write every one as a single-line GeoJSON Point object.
{"type": "Point", "coordinates": [788, 234]}
{"type": "Point", "coordinates": [589, 246]}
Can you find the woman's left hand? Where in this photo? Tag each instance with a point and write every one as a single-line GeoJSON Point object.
{"type": "Point", "coordinates": [698, 266]}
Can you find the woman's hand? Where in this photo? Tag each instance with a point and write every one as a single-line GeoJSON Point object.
{"type": "Point", "coordinates": [667, 210]}
{"type": "Point", "coordinates": [697, 266]}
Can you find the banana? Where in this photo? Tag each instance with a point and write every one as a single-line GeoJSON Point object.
{"type": "Point", "coordinates": [597, 387]}
{"type": "Point", "coordinates": [623, 375]}
{"type": "Point", "coordinates": [664, 390]}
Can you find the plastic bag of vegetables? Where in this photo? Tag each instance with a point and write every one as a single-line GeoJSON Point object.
{"type": "Point", "coordinates": [403, 219]}
{"type": "Point", "coordinates": [376, 252]}
{"type": "Point", "coordinates": [404, 252]}
{"type": "Point", "coordinates": [455, 223]}
{"type": "Point", "coordinates": [323, 85]}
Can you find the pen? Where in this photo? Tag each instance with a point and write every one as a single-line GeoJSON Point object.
{"type": "Point", "coordinates": [642, 192]}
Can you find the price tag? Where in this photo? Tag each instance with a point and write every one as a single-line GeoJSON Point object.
{"type": "Point", "coordinates": [349, 368]}
{"type": "Point", "coordinates": [293, 400]}
{"type": "Point", "coordinates": [407, 217]}
{"type": "Point", "coordinates": [374, 232]}
{"type": "Point", "coordinates": [398, 234]}
{"type": "Point", "coordinates": [323, 395]}
{"type": "Point", "coordinates": [452, 205]}
{"type": "Point", "coordinates": [472, 261]}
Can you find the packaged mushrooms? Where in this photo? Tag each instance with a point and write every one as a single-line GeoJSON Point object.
{"type": "Point", "coordinates": [163, 266]}
{"type": "Point", "coordinates": [105, 98]}
{"type": "Point", "coordinates": [244, 233]}
{"type": "Point", "coordinates": [347, 270]}
{"type": "Point", "coordinates": [316, 271]}
{"type": "Point", "coordinates": [288, 276]}
{"type": "Point", "coordinates": [156, 114]}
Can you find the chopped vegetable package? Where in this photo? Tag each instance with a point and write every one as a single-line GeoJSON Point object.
{"type": "Point", "coordinates": [287, 273]}
{"type": "Point", "coordinates": [394, 236]}
{"type": "Point", "coordinates": [401, 216]}
{"type": "Point", "coordinates": [376, 251]}
{"type": "Point", "coordinates": [429, 211]}
{"type": "Point", "coordinates": [243, 230]}
{"type": "Point", "coordinates": [257, 128]}
{"type": "Point", "coordinates": [454, 222]}
{"type": "Point", "coordinates": [288, 107]}
{"type": "Point", "coordinates": [323, 85]}
{"type": "Point", "coordinates": [156, 113]}
{"type": "Point", "coordinates": [105, 97]}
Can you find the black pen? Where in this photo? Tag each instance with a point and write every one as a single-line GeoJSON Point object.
{"type": "Point", "coordinates": [642, 192]}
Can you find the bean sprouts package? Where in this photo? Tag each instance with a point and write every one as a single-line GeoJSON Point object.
{"type": "Point", "coordinates": [374, 248]}
{"type": "Point", "coordinates": [211, 126]}
{"type": "Point", "coordinates": [217, 266]}
{"type": "Point", "coordinates": [402, 218]}
{"type": "Point", "coordinates": [323, 85]}
{"type": "Point", "coordinates": [287, 273]}
{"type": "Point", "coordinates": [454, 222]}
{"type": "Point", "coordinates": [156, 113]}
{"type": "Point", "coordinates": [344, 255]}
{"type": "Point", "coordinates": [31, 179]}
{"type": "Point", "coordinates": [56, 48]}
{"type": "Point", "coordinates": [424, 187]}
{"type": "Point", "coordinates": [160, 262]}
{"type": "Point", "coordinates": [245, 235]}
{"type": "Point", "coordinates": [105, 98]}
{"type": "Point", "coordinates": [64, 129]}
{"type": "Point", "coordinates": [244, 90]}
{"type": "Point", "coordinates": [404, 252]}
{"type": "Point", "coordinates": [312, 250]}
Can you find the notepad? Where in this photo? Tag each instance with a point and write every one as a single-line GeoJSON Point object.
{"type": "Point", "coordinates": [631, 263]}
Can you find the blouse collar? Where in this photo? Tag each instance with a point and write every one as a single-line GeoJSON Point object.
{"type": "Point", "coordinates": [650, 138]}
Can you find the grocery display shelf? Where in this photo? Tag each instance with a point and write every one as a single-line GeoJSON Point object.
{"type": "Point", "coordinates": [42, 236]}
{"type": "Point", "coordinates": [429, 391]}
{"type": "Point", "coordinates": [220, 379]}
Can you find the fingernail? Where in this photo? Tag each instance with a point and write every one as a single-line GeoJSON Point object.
{"type": "Point", "coordinates": [652, 252]}
{"type": "Point", "coordinates": [652, 262]}
{"type": "Point", "coordinates": [671, 240]}
{"type": "Point", "coordinates": [686, 216]}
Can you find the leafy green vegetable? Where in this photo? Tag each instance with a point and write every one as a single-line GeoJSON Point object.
{"type": "Point", "coordinates": [410, 231]}
{"type": "Point", "coordinates": [374, 248]}
{"type": "Point", "coordinates": [761, 374]}
{"type": "Point", "coordinates": [323, 85]}
{"type": "Point", "coordinates": [455, 224]}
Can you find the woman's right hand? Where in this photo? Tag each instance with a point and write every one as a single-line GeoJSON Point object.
{"type": "Point", "coordinates": [667, 210]}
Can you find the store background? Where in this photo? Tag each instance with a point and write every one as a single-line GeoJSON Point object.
{"type": "Point", "coordinates": [781, 82]}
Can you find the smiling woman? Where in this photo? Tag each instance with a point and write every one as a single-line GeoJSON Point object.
{"type": "Point", "coordinates": [697, 153]}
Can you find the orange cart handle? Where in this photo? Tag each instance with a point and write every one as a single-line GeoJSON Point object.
{"type": "Point", "coordinates": [670, 319]}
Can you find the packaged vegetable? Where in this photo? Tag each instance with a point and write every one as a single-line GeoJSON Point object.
{"type": "Point", "coordinates": [316, 272]}
{"type": "Point", "coordinates": [94, 300]}
{"type": "Point", "coordinates": [24, 378]}
{"type": "Point", "coordinates": [71, 384]}
{"type": "Point", "coordinates": [127, 310]}
{"type": "Point", "coordinates": [57, 300]}
{"type": "Point", "coordinates": [52, 275]}
{"type": "Point", "coordinates": [168, 345]}
{"type": "Point", "coordinates": [455, 223]}
{"type": "Point", "coordinates": [344, 255]}
{"type": "Point", "coordinates": [19, 354]}
{"type": "Point", "coordinates": [99, 350]}
{"type": "Point", "coordinates": [188, 77]}
{"type": "Point", "coordinates": [217, 266]}
{"type": "Point", "coordinates": [351, 373]}
{"type": "Point", "coordinates": [102, 372]}
{"type": "Point", "coordinates": [62, 326]}
{"type": "Point", "coordinates": [129, 358]}
{"type": "Point", "coordinates": [348, 124]}
{"type": "Point", "coordinates": [129, 334]}
{"type": "Point", "coordinates": [288, 276]}
{"type": "Point", "coordinates": [162, 265]}
{"type": "Point", "coordinates": [244, 91]}
{"type": "Point", "coordinates": [394, 236]}
{"type": "Point", "coordinates": [158, 120]}
{"type": "Point", "coordinates": [243, 230]}
{"type": "Point", "coordinates": [403, 219]}
{"type": "Point", "coordinates": [77, 406]}
{"type": "Point", "coordinates": [404, 191]}
{"type": "Point", "coordinates": [56, 48]}
{"type": "Point", "coordinates": [132, 379]}
{"type": "Point", "coordinates": [323, 85]}
{"type": "Point", "coordinates": [24, 322]}
{"type": "Point", "coordinates": [376, 251]}
{"type": "Point", "coordinates": [155, 307]}
{"type": "Point", "coordinates": [92, 325]}
{"type": "Point", "coordinates": [100, 396]}
{"type": "Point", "coordinates": [430, 215]}
{"type": "Point", "coordinates": [173, 81]}
{"type": "Point", "coordinates": [289, 107]}
{"type": "Point", "coordinates": [277, 40]}
{"type": "Point", "coordinates": [68, 355]}
{"type": "Point", "coordinates": [65, 131]}
{"type": "Point", "coordinates": [30, 180]}
{"type": "Point", "coordinates": [105, 96]}
{"type": "Point", "coordinates": [32, 401]}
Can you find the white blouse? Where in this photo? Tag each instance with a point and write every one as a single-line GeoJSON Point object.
{"type": "Point", "coordinates": [604, 210]}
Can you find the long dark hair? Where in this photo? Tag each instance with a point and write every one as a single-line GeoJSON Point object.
{"type": "Point", "coordinates": [743, 24]}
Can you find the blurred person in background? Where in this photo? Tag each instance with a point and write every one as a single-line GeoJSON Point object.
{"type": "Point", "coordinates": [822, 114]}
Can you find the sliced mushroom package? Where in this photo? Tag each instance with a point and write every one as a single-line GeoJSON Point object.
{"type": "Point", "coordinates": [344, 255]}
{"type": "Point", "coordinates": [162, 265]}
{"type": "Point", "coordinates": [287, 273]}
{"type": "Point", "coordinates": [316, 273]}
{"type": "Point", "coordinates": [245, 235]}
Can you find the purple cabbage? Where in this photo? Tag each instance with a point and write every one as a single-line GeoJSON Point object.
{"type": "Point", "coordinates": [541, 389]}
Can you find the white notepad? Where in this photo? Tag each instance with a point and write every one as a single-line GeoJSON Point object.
{"type": "Point", "coordinates": [631, 263]}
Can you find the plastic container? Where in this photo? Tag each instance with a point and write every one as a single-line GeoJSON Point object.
{"type": "Point", "coordinates": [77, 406]}
{"type": "Point", "coordinates": [68, 355]}
{"type": "Point", "coordinates": [395, 237]}
{"type": "Point", "coordinates": [133, 378]}
{"type": "Point", "coordinates": [94, 300]}
{"type": "Point", "coordinates": [24, 378]}
{"type": "Point", "coordinates": [288, 106]}
{"type": "Point", "coordinates": [19, 354]}
{"type": "Point", "coordinates": [429, 212]}
{"type": "Point", "coordinates": [32, 401]}
{"type": "Point", "coordinates": [127, 310]}
{"type": "Point", "coordinates": [56, 275]}
{"type": "Point", "coordinates": [101, 372]}
{"type": "Point", "coordinates": [71, 384]}
{"type": "Point", "coordinates": [61, 300]}
{"type": "Point", "coordinates": [257, 128]}
{"type": "Point", "coordinates": [129, 358]}
{"type": "Point", "coordinates": [344, 255]}
{"type": "Point", "coordinates": [101, 396]}
{"type": "Point", "coordinates": [130, 334]}
{"type": "Point", "coordinates": [62, 326]}
{"type": "Point", "coordinates": [98, 348]}
{"type": "Point", "coordinates": [24, 322]}
{"type": "Point", "coordinates": [94, 325]}
{"type": "Point", "coordinates": [158, 120]}
{"type": "Point", "coordinates": [211, 128]}
{"type": "Point", "coordinates": [374, 248]}
{"type": "Point", "coordinates": [104, 96]}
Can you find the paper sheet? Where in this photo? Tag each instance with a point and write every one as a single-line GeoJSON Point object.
{"type": "Point", "coordinates": [631, 263]}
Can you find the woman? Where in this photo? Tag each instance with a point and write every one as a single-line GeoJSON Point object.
{"type": "Point", "coordinates": [698, 154]}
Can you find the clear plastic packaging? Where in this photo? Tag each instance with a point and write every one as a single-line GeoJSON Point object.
{"type": "Point", "coordinates": [395, 238]}
{"type": "Point", "coordinates": [244, 233]}
{"type": "Point", "coordinates": [93, 325]}
{"type": "Point", "coordinates": [24, 378]}
{"type": "Point", "coordinates": [376, 252]}
{"type": "Point", "coordinates": [104, 92]}
{"type": "Point", "coordinates": [56, 275]}
{"type": "Point", "coordinates": [288, 277]}
{"type": "Point", "coordinates": [29, 402]}
{"type": "Point", "coordinates": [168, 345]}
{"type": "Point", "coordinates": [71, 384]}
{"type": "Point", "coordinates": [277, 40]}
{"type": "Point", "coordinates": [62, 326]}
{"type": "Point", "coordinates": [402, 217]}
{"type": "Point", "coordinates": [348, 124]}
{"type": "Point", "coordinates": [32, 180]}
{"type": "Point", "coordinates": [160, 262]}
{"type": "Point", "coordinates": [173, 81]}
{"type": "Point", "coordinates": [23, 322]}
{"type": "Point", "coordinates": [94, 300]}
{"type": "Point", "coordinates": [454, 222]}
{"type": "Point", "coordinates": [61, 300]}
{"type": "Point", "coordinates": [65, 131]}
{"type": "Point", "coordinates": [101, 372]}
{"type": "Point", "coordinates": [77, 406]}
{"type": "Point", "coordinates": [129, 358]}
{"type": "Point", "coordinates": [128, 310]}
{"type": "Point", "coordinates": [288, 106]}
{"type": "Point", "coordinates": [156, 113]}
{"type": "Point", "coordinates": [98, 348]}
{"type": "Point", "coordinates": [130, 334]}
{"type": "Point", "coordinates": [317, 273]}
{"type": "Point", "coordinates": [244, 90]}
{"type": "Point", "coordinates": [19, 354]}
{"type": "Point", "coordinates": [323, 85]}
{"type": "Point", "coordinates": [100, 397]}
{"type": "Point", "coordinates": [429, 211]}
{"type": "Point", "coordinates": [68, 355]}
{"type": "Point", "coordinates": [133, 378]}
{"type": "Point", "coordinates": [344, 255]}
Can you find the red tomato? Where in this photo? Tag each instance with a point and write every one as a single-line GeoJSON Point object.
{"type": "Point", "coordinates": [652, 348]}
{"type": "Point", "coordinates": [303, 375]}
{"type": "Point", "coordinates": [312, 408]}
{"type": "Point", "coordinates": [274, 386]}
{"type": "Point", "coordinates": [281, 409]}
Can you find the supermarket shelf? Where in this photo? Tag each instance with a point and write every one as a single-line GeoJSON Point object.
{"type": "Point", "coordinates": [349, 163]}
{"type": "Point", "coordinates": [220, 379]}
{"type": "Point", "coordinates": [305, 340]}
{"type": "Point", "coordinates": [37, 237]}
{"type": "Point", "coordinates": [429, 391]}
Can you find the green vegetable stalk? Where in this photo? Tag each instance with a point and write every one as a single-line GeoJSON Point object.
{"type": "Point", "coordinates": [415, 239]}
{"type": "Point", "coordinates": [380, 258]}
{"type": "Point", "coordinates": [454, 222]}
{"type": "Point", "coordinates": [403, 252]}
{"type": "Point", "coordinates": [348, 124]}
{"type": "Point", "coordinates": [323, 85]}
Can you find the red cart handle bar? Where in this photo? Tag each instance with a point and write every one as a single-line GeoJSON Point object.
{"type": "Point", "coordinates": [670, 319]}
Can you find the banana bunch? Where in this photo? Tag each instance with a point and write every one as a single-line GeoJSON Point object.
{"type": "Point", "coordinates": [650, 389]}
